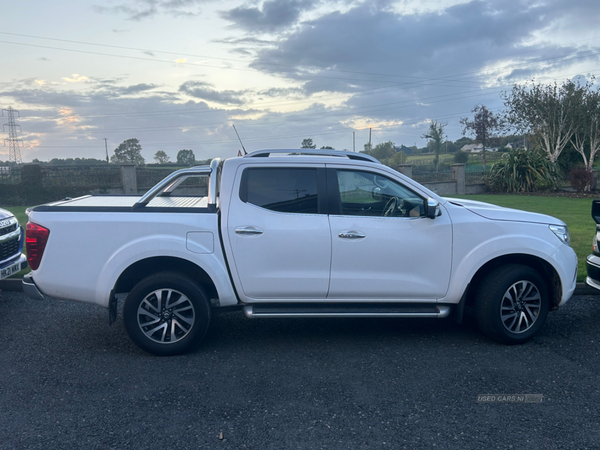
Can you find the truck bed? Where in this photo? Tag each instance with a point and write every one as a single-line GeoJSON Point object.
{"type": "Point", "coordinates": [122, 203]}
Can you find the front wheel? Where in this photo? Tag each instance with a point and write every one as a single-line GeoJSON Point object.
{"type": "Point", "coordinates": [166, 314]}
{"type": "Point", "coordinates": [512, 304]}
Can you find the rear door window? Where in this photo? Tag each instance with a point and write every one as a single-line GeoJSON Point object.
{"type": "Point", "coordinates": [288, 190]}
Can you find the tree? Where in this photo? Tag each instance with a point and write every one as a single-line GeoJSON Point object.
{"type": "Point", "coordinates": [547, 112]}
{"type": "Point", "coordinates": [308, 143]}
{"type": "Point", "coordinates": [161, 157]}
{"type": "Point", "coordinates": [435, 136]}
{"type": "Point", "coordinates": [129, 151]}
{"type": "Point", "coordinates": [381, 151]}
{"type": "Point", "coordinates": [460, 143]}
{"type": "Point", "coordinates": [396, 159]}
{"type": "Point", "coordinates": [450, 147]}
{"type": "Point", "coordinates": [386, 153]}
{"type": "Point", "coordinates": [186, 157]}
{"type": "Point", "coordinates": [587, 132]}
{"type": "Point", "coordinates": [483, 126]}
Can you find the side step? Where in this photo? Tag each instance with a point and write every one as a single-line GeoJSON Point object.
{"type": "Point", "coordinates": [280, 310]}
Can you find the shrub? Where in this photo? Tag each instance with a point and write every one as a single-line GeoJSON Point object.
{"type": "Point", "coordinates": [461, 157]}
{"type": "Point", "coordinates": [582, 178]}
{"type": "Point", "coordinates": [523, 170]}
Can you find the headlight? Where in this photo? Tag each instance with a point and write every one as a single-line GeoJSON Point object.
{"type": "Point", "coordinates": [595, 245]}
{"type": "Point", "coordinates": [562, 233]}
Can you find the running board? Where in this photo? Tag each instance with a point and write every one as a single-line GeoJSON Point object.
{"type": "Point", "coordinates": [281, 310]}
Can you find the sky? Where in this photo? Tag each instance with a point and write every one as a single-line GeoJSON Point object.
{"type": "Point", "coordinates": [177, 74]}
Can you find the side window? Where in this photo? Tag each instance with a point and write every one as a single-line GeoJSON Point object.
{"type": "Point", "coordinates": [290, 190]}
{"type": "Point", "coordinates": [370, 194]}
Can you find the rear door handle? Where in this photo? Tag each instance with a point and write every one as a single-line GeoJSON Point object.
{"type": "Point", "coordinates": [351, 235]}
{"type": "Point", "coordinates": [248, 231]}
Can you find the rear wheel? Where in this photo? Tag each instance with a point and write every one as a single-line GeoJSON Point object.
{"type": "Point", "coordinates": [166, 314]}
{"type": "Point", "coordinates": [512, 304]}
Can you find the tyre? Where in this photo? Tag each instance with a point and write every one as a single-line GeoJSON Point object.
{"type": "Point", "coordinates": [166, 314]}
{"type": "Point", "coordinates": [512, 304]}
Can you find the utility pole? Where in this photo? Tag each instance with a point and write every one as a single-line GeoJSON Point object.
{"type": "Point", "coordinates": [354, 141]}
{"type": "Point", "coordinates": [106, 148]}
{"type": "Point", "coordinates": [370, 137]}
{"type": "Point", "coordinates": [14, 153]}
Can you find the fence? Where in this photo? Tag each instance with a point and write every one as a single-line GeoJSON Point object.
{"type": "Point", "coordinates": [30, 184]}
{"type": "Point", "coordinates": [10, 174]}
{"type": "Point", "coordinates": [92, 177]}
{"type": "Point", "coordinates": [445, 159]}
{"type": "Point", "coordinates": [448, 182]}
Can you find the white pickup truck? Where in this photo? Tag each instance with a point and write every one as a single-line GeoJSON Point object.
{"type": "Point", "coordinates": [285, 233]}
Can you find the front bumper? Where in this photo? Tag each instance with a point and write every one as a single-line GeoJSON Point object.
{"type": "Point", "coordinates": [13, 266]}
{"type": "Point", "coordinates": [592, 264]}
{"type": "Point", "coordinates": [30, 289]}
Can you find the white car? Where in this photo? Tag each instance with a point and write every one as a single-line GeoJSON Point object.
{"type": "Point", "coordinates": [286, 233]}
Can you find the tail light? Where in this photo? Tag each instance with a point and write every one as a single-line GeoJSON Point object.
{"type": "Point", "coordinates": [36, 238]}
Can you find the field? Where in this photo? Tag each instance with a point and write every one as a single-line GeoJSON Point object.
{"type": "Point", "coordinates": [575, 212]}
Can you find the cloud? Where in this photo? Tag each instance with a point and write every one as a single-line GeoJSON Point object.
{"type": "Point", "coordinates": [283, 92]}
{"type": "Point", "coordinates": [138, 10]}
{"type": "Point", "coordinates": [204, 91]}
{"type": "Point", "coordinates": [272, 16]}
{"type": "Point", "coordinates": [133, 13]}
{"type": "Point", "coordinates": [76, 78]}
{"type": "Point", "coordinates": [137, 88]}
{"type": "Point", "coordinates": [248, 40]}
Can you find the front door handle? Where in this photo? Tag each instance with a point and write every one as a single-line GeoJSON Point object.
{"type": "Point", "coordinates": [248, 231]}
{"type": "Point", "coordinates": [351, 235]}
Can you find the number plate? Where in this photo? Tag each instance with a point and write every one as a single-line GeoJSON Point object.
{"type": "Point", "coordinates": [10, 270]}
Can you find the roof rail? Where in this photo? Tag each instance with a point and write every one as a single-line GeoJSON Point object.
{"type": "Point", "coordinates": [312, 152]}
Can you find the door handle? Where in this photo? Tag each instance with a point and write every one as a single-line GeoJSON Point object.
{"type": "Point", "coordinates": [351, 235]}
{"type": "Point", "coordinates": [248, 231]}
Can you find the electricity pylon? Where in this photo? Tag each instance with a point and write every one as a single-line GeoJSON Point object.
{"type": "Point", "coordinates": [14, 152]}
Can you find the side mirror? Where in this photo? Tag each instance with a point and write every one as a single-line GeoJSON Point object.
{"type": "Point", "coordinates": [433, 208]}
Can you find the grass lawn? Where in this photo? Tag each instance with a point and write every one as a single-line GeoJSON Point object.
{"type": "Point", "coordinates": [575, 212]}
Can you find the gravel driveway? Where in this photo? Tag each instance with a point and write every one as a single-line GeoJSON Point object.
{"type": "Point", "coordinates": [68, 380]}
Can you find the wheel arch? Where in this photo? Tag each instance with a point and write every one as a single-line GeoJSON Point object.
{"type": "Point", "coordinates": [142, 268]}
{"type": "Point", "coordinates": [544, 268]}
